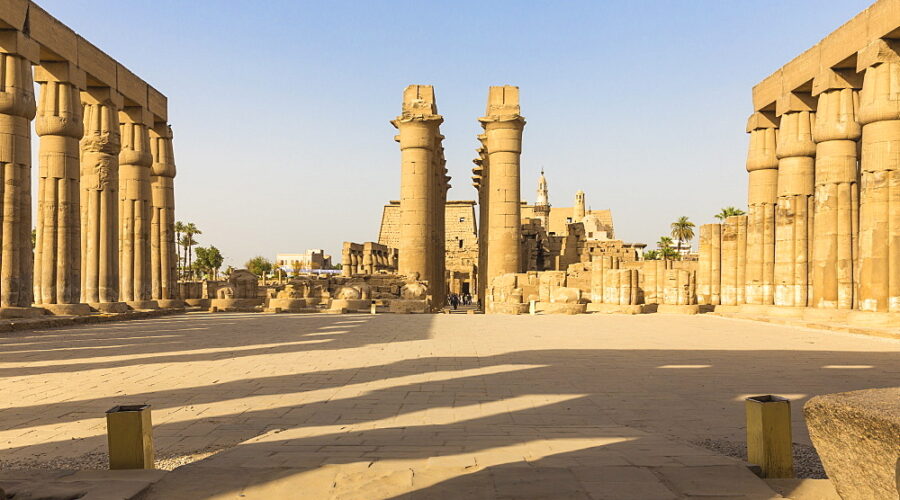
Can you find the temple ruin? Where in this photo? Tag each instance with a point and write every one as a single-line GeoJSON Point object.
{"type": "Point", "coordinates": [105, 210]}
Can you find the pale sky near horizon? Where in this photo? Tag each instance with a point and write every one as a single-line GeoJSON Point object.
{"type": "Point", "coordinates": [281, 109]}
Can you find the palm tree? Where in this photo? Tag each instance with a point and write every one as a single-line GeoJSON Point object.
{"type": "Point", "coordinates": [682, 230]}
{"type": "Point", "coordinates": [665, 247]}
{"type": "Point", "coordinates": [729, 212]}
{"type": "Point", "coordinates": [190, 229]}
{"type": "Point", "coordinates": [670, 253]}
{"type": "Point", "coordinates": [179, 228]}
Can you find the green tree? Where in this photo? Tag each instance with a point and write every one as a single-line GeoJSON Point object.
{"type": "Point", "coordinates": [209, 260]}
{"type": "Point", "coordinates": [188, 242]}
{"type": "Point", "coordinates": [259, 265]}
{"type": "Point", "coordinates": [670, 253]}
{"type": "Point", "coordinates": [729, 212]}
{"type": "Point", "coordinates": [179, 229]}
{"type": "Point", "coordinates": [683, 231]}
{"type": "Point", "coordinates": [651, 255]}
{"type": "Point", "coordinates": [665, 247]}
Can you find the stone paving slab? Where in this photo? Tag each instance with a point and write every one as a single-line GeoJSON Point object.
{"type": "Point", "coordinates": [439, 391]}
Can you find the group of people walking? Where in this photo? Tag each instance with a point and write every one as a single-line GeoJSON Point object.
{"type": "Point", "coordinates": [455, 300]}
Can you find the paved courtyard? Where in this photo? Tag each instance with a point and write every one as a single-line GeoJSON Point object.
{"type": "Point", "coordinates": [462, 406]}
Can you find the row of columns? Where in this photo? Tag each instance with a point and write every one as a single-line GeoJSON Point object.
{"type": "Point", "coordinates": [497, 178]}
{"type": "Point", "coordinates": [423, 190]}
{"type": "Point", "coordinates": [105, 211]}
{"type": "Point", "coordinates": [823, 222]}
{"type": "Point", "coordinates": [367, 258]}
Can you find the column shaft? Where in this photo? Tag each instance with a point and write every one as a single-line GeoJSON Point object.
{"type": "Point", "coordinates": [837, 192]}
{"type": "Point", "coordinates": [164, 281]}
{"type": "Point", "coordinates": [794, 211]}
{"type": "Point", "coordinates": [762, 166]}
{"type": "Point", "coordinates": [879, 197]}
{"type": "Point", "coordinates": [134, 206]}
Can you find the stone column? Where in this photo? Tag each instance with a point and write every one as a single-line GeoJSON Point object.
{"type": "Point", "coordinates": [57, 259]}
{"type": "Point", "coordinates": [837, 189]}
{"type": "Point", "coordinates": [879, 197]}
{"type": "Point", "coordinates": [503, 125]}
{"type": "Point", "coordinates": [418, 127]}
{"type": "Point", "coordinates": [481, 181]}
{"type": "Point", "coordinates": [709, 266]}
{"type": "Point", "coordinates": [733, 250]}
{"type": "Point", "coordinates": [135, 161]}
{"type": "Point", "coordinates": [17, 109]}
{"type": "Point", "coordinates": [796, 153]}
{"type": "Point", "coordinates": [762, 166]}
{"type": "Point", "coordinates": [100, 200]}
{"type": "Point", "coordinates": [163, 265]}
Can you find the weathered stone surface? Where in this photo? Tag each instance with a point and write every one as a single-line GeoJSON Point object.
{"type": "Point", "coordinates": [857, 435]}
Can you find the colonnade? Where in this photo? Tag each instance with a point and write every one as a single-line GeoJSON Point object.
{"type": "Point", "coordinates": [423, 190]}
{"type": "Point", "coordinates": [105, 204]}
{"type": "Point", "coordinates": [822, 230]}
{"type": "Point", "coordinates": [367, 258]}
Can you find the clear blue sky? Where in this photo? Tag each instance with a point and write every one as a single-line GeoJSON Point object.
{"type": "Point", "coordinates": [281, 109]}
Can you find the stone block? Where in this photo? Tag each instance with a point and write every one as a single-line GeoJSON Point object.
{"type": "Point", "coordinates": [354, 305]}
{"type": "Point", "coordinates": [595, 307]}
{"type": "Point", "coordinates": [402, 306]}
{"type": "Point", "coordinates": [235, 305]}
{"type": "Point", "coordinates": [67, 309]}
{"type": "Point", "coordinates": [564, 308]}
{"type": "Point", "coordinates": [675, 309]}
{"type": "Point", "coordinates": [857, 436]}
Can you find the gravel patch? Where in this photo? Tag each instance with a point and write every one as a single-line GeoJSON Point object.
{"type": "Point", "coordinates": [98, 461]}
{"type": "Point", "coordinates": [806, 461]}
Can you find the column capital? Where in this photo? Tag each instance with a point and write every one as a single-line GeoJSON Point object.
{"type": "Point", "coordinates": [793, 102]}
{"type": "Point", "coordinates": [60, 71]}
{"type": "Point", "coordinates": [761, 120]}
{"type": "Point", "coordinates": [877, 52]}
{"type": "Point", "coordinates": [137, 114]}
{"type": "Point", "coordinates": [102, 95]}
{"type": "Point", "coordinates": [17, 43]}
{"type": "Point", "coordinates": [836, 79]}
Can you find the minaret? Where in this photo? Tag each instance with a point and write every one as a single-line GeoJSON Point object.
{"type": "Point", "coordinates": [542, 204]}
{"type": "Point", "coordinates": [578, 211]}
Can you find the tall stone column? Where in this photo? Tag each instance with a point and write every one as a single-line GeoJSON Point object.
{"type": "Point", "coordinates": [135, 211]}
{"type": "Point", "coordinates": [503, 125]}
{"type": "Point", "coordinates": [100, 199]}
{"type": "Point", "coordinates": [163, 259]}
{"type": "Point", "coordinates": [57, 257]}
{"type": "Point", "coordinates": [762, 167]}
{"type": "Point", "coordinates": [796, 153]}
{"type": "Point", "coordinates": [879, 197]}
{"type": "Point", "coordinates": [481, 180]}
{"type": "Point", "coordinates": [837, 189]}
{"type": "Point", "coordinates": [733, 251]}
{"type": "Point", "coordinates": [17, 109]}
{"type": "Point", "coordinates": [418, 128]}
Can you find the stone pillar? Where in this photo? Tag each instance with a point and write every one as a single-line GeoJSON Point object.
{"type": "Point", "coordinates": [708, 267]}
{"type": "Point", "coordinates": [135, 161]}
{"type": "Point", "coordinates": [481, 180]}
{"type": "Point", "coordinates": [879, 197]}
{"type": "Point", "coordinates": [837, 189]}
{"type": "Point", "coordinates": [503, 125]}
{"type": "Point", "coordinates": [418, 128]}
{"type": "Point", "coordinates": [100, 148]}
{"type": "Point", "coordinates": [762, 166]}
{"type": "Point", "coordinates": [346, 270]}
{"type": "Point", "coordinates": [57, 258]}
{"type": "Point", "coordinates": [17, 109]}
{"type": "Point", "coordinates": [733, 251]}
{"type": "Point", "coordinates": [796, 153]}
{"type": "Point", "coordinates": [163, 270]}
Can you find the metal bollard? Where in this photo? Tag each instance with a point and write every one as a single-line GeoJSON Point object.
{"type": "Point", "coordinates": [769, 442]}
{"type": "Point", "coordinates": [532, 307]}
{"type": "Point", "coordinates": [374, 307]}
{"type": "Point", "coordinates": [129, 434]}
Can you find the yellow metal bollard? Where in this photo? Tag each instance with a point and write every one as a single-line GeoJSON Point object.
{"type": "Point", "coordinates": [130, 437]}
{"type": "Point", "coordinates": [769, 442]}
